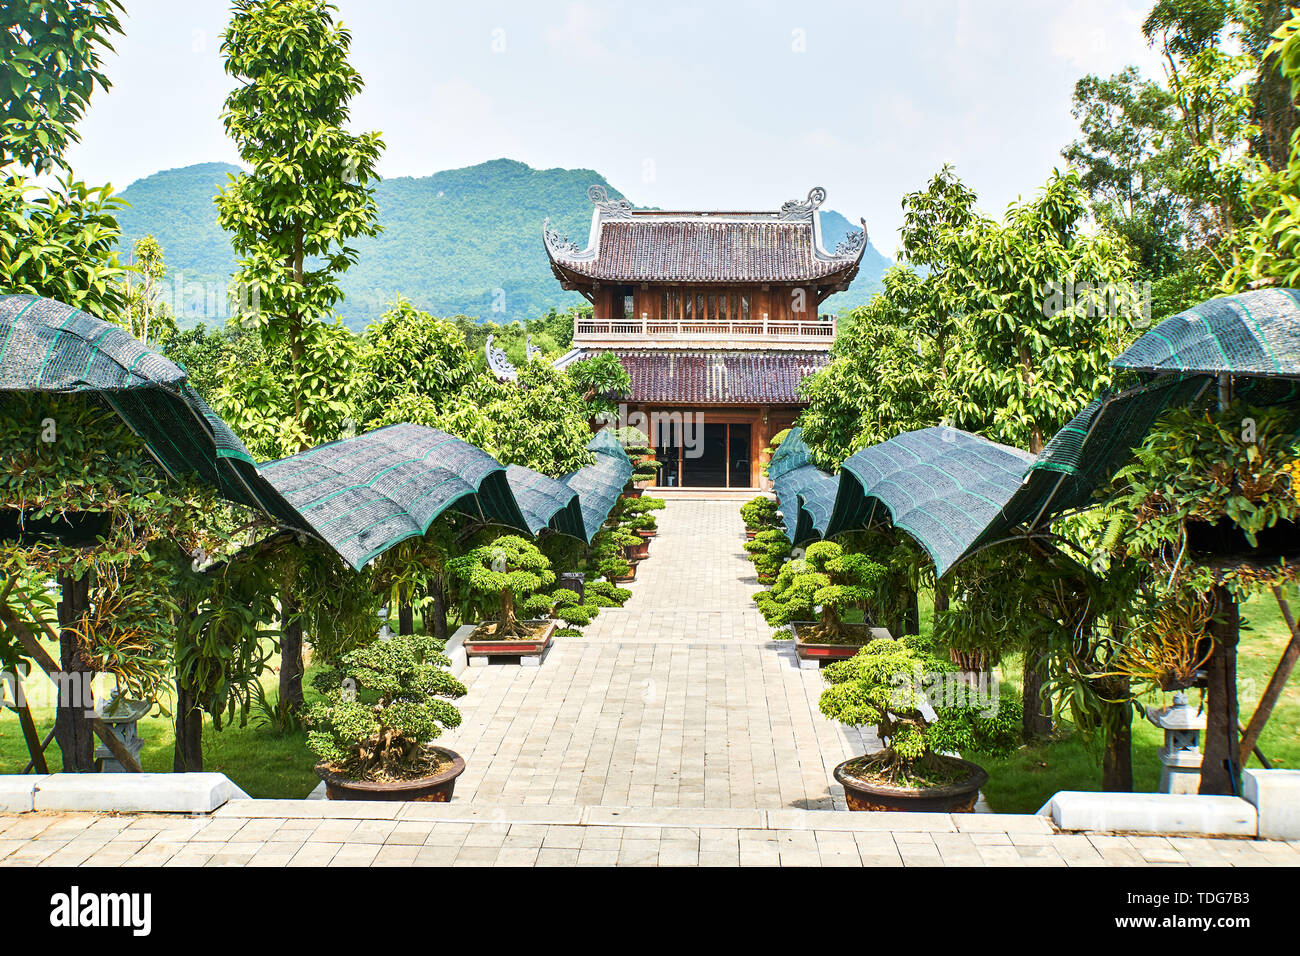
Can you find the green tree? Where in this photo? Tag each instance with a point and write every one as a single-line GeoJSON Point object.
{"type": "Point", "coordinates": [409, 352]}
{"type": "Point", "coordinates": [309, 192]}
{"type": "Point", "coordinates": [56, 241]}
{"type": "Point", "coordinates": [145, 313]}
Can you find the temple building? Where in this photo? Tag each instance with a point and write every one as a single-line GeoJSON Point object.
{"type": "Point", "coordinates": [715, 317]}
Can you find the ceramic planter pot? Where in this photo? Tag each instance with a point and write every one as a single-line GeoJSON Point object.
{"type": "Point", "coordinates": [808, 651]}
{"type": "Point", "coordinates": [493, 647]}
{"type": "Point", "coordinates": [958, 797]}
{"type": "Point", "coordinates": [435, 789]}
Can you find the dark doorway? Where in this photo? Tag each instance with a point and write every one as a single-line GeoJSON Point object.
{"type": "Point", "coordinates": [738, 456]}
{"type": "Point", "coordinates": [709, 468]}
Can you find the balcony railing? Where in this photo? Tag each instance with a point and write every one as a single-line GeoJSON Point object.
{"type": "Point", "coordinates": [820, 331]}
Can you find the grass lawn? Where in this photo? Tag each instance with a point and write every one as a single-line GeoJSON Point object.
{"type": "Point", "coordinates": [1023, 781]}
{"type": "Point", "coordinates": [262, 762]}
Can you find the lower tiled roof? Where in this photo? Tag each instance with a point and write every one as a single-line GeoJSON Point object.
{"type": "Point", "coordinates": [719, 376]}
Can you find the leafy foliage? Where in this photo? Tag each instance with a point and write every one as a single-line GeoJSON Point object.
{"type": "Point", "coordinates": [822, 586]}
{"type": "Point", "coordinates": [291, 218]}
{"type": "Point", "coordinates": [503, 580]}
{"type": "Point", "coordinates": [888, 684]}
{"type": "Point", "coordinates": [382, 705]}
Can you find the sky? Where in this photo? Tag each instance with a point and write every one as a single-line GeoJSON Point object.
{"type": "Point", "coordinates": [713, 105]}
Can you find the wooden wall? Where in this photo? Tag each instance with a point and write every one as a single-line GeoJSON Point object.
{"type": "Point", "coordinates": [777, 301]}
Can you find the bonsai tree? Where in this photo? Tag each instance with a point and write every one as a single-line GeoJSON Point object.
{"type": "Point", "coordinates": [635, 513]}
{"type": "Point", "coordinates": [644, 465]}
{"type": "Point", "coordinates": [501, 581]}
{"type": "Point", "coordinates": [607, 552]}
{"type": "Point", "coordinates": [571, 555]}
{"type": "Point", "coordinates": [769, 550]}
{"type": "Point", "coordinates": [759, 514]}
{"type": "Point", "coordinates": [890, 685]}
{"type": "Point", "coordinates": [823, 587]}
{"type": "Point", "coordinates": [382, 705]}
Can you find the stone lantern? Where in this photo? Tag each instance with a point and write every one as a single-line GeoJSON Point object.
{"type": "Point", "coordinates": [1180, 754]}
{"type": "Point", "coordinates": [121, 716]}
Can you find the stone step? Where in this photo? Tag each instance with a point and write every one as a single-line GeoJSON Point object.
{"type": "Point", "coordinates": [657, 817]}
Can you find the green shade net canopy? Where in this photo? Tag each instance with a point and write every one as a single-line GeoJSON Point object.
{"type": "Point", "coordinates": [941, 485]}
{"type": "Point", "coordinates": [362, 495]}
{"type": "Point", "coordinates": [1251, 333]}
{"type": "Point", "coordinates": [805, 493]}
{"type": "Point", "coordinates": [47, 346]}
{"type": "Point", "coordinates": [545, 502]}
{"type": "Point", "coordinates": [1084, 455]}
{"type": "Point", "coordinates": [599, 485]}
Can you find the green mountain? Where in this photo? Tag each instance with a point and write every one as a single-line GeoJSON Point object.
{"type": "Point", "coordinates": [462, 241]}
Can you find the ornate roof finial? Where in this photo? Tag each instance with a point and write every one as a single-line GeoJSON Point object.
{"type": "Point", "coordinates": [852, 244]}
{"type": "Point", "coordinates": [498, 363]}
{"type": "Point", "coordinates": [794, 209]}
{"type": "Point", "coordinates": [560, 245]}
{"type": "Point", "coordinates": [612, 208]}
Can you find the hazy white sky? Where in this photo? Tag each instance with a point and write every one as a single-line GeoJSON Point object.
{"type": "Point", "coordinates": [712, 105]}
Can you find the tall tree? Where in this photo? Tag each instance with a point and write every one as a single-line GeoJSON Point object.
{"type": "Point", "coordinates": [1044, 309]}
{"type": "Point", "coordinates": [308, 192]}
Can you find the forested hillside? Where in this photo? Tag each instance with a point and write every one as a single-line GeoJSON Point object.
{"type": "Point", "coordinates": [462, 241]}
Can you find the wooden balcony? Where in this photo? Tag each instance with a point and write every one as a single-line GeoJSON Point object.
{"type": "Point", "coordinates": [816, 333]}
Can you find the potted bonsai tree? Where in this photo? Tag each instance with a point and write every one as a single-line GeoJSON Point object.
{"type": "Point", "coordinates": [814, 595]}
{"type": "Point", "coordinates": [609, 554]}
{"type": "Point", "coordinates": [383, 705]}
{"type": "Point", "coordinates": [637, 517]}
{"type": "Point", "coordinates": [644, 465]}
{"type": "Point", "coordinates": [923, 717]}
{"type": "Point", "coordinates": [769, 550]}
{"type": "Point", "coordinates": [503, 587]}
{"type": "Point", "coordinates": [759, 514]}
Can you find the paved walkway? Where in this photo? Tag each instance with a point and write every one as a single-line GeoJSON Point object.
{"type": "Point", "coordinates": [677, 699]}
{"type": "Point", "coordinates": [673, 732]}
{"type": "Point", "coordinates": [325, 833]}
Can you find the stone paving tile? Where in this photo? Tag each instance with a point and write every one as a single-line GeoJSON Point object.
{"type": "Point", "coordinates": [674, 733]}
{"type": "Point", "coordinates": [678, 699]}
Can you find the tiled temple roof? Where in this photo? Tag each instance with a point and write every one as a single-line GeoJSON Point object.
{"type": "Point", "coordinates": [719, 377]}
{"type": "Point", "coordinates": [631, 245]}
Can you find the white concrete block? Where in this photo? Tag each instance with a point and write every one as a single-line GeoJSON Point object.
{"type": "Point", "coordinates": [18, 792]}
{"type": "Point", "coordinates": [134, 792]}
{"type": "Point", "coordinates": [1155, 813]}
{"type": "Point", "coordinates": [456, 649]}
{"type": "Point", "coordinates": [1275, 795]}
{"type": "Point", "coordinates": [479, 661]}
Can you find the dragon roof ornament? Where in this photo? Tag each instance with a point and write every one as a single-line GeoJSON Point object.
{"type": "Point", "coordinates": [795, 210]}
{"type": "Point", "coordinates": [558, 244]}
{"type": "Point", "coordinates": [611, 208]}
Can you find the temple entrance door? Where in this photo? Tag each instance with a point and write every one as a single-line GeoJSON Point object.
{"type": "Point", "coordinates": [706, 465]}
{"type": "Point", "coordinates": [720, 458]}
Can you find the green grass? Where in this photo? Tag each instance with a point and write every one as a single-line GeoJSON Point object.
{"type": "Point", "coordinates": [1023, 781]}
{"type": "Point", "coordinates": [262, 762]}
{"type": "Point", "coordinates": [266, 764]}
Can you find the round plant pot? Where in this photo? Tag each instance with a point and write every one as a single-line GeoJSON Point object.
{"type": "Point", "coordinates": [959, 797]}
{"type": "Point", "coordinates": [633, 492]}
{"type": "Point", "coordinates": [638, 552]}
{"type": "Point", "coordinates": [435, 789]}
{"type": "Point", "coordinates": [647, 532]}
{"type": "Point", "coordinates": [630, 576]}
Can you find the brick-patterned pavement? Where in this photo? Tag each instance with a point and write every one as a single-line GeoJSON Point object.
{"type": "Point", "coordinates": [673, 732]}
